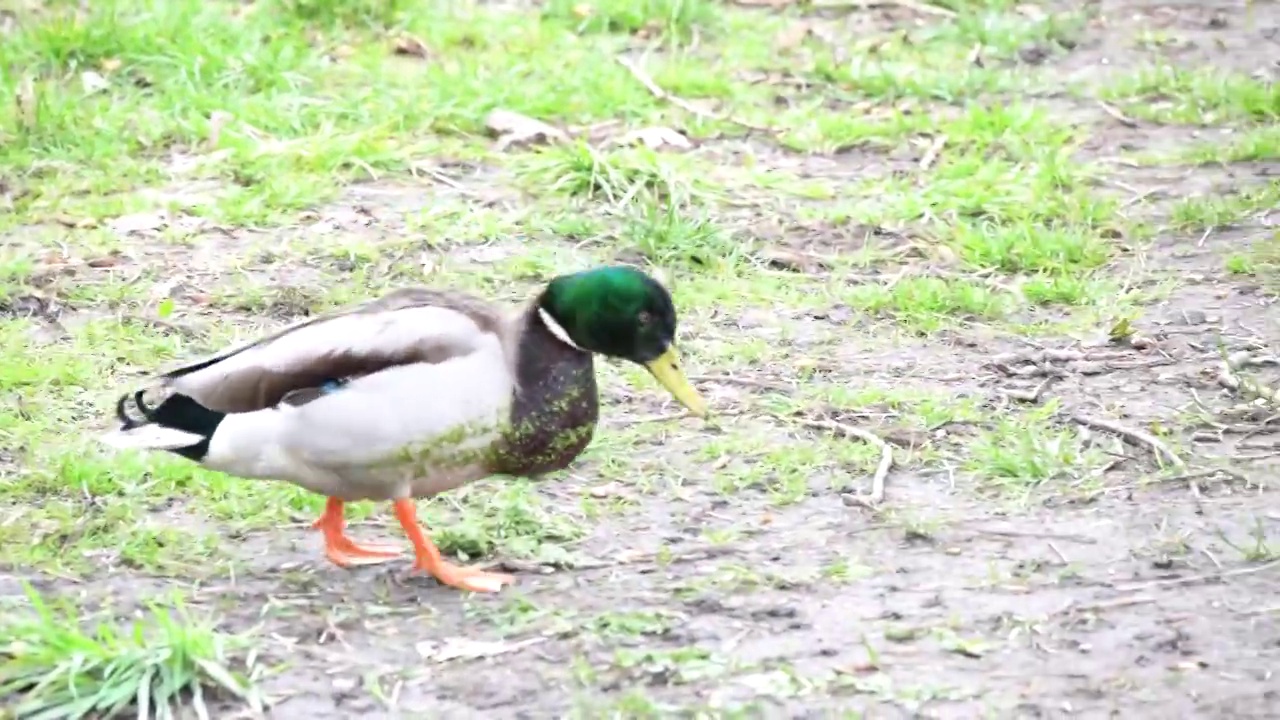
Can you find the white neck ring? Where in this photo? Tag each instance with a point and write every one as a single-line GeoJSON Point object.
{"type": "Point", "coordinates": [557, 330]}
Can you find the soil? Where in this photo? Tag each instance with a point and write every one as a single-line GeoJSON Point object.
{"type": "Point", "coordinates": [1123, 602]}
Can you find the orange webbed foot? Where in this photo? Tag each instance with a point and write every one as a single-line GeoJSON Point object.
{"type": "Point", "coordinates": [342, 550]}
{"type": "Point", "coordinates": [466, 578]}
{"type": "Point", "coordinates": [429, 560]}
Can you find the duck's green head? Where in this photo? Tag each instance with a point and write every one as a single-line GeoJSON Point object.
{"type": "Point", "coordinates": [621, 312]}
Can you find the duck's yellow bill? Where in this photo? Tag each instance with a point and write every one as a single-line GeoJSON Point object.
{"type": "Point", "coordinates": [666, 368]}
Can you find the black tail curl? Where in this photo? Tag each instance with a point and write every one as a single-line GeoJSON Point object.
{"type": "Point", "coordinates": [178, 412]}
{"type": "Point", "coordinates": [128, 423]}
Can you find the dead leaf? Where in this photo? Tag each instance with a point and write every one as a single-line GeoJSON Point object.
{"type": "Point", "coordinates": [907, 437]}
{"type": "Point", "coordinates": [486, 254]}
{"type": "Point", "coordinates": [1143, 342]}
{"type": "Point", "coordinates": [74, 222]}
{"type": "Point", "coordinates": [792, 36]}
{"type": "Point", "coordinates": [461, 648]}
{"type": "Point", "coordinates": [513, 129]}
{"type": "Point", "coordinates": [787, 259]}
{"type": "Point", "coordinates": [583, 11]}
{"type": "Point", "coordinates": [943, 255]}
{"type": "Point", "coordinates": [653, 28]}
{"type": "Point", "coordinates": [655, 138]}
{"type": "Point", "coordinates": [110, 64]}
{"type": "Point", "coordinates": [105, 261]}
{"type": "Point", "coordinates": [323, 227]}
{"type": "Point", "coordinates": [411, 46]}
{"type": "Point", "coordinates": [53, 257]}
{"type": "Point", "coordinates": [138, 222]}
{"type": "Point", "coordinates": [25, 97]}
{"type": "Point", "coordinates": [858, 668]}
{"type": "Point", "coordinates": [92, 82]}
{"type": "Point", "coordinates": [607, 490]}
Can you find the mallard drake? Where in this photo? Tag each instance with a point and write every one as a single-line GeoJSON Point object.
{"type": "Point", "coordinates": [410, 395]}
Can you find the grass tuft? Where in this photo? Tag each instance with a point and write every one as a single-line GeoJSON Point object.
{"type": "Point", "coordinates": [671, 19]}
{"type": "Point", "coordinates": [50, 667]}
{"type": "Point", "coordinates": [1201, 96]}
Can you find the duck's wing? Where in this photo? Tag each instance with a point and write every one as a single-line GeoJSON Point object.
{"type": "Point", "coordinates": [412, 325]}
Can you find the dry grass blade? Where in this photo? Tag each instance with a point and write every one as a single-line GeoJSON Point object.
{"type": "Point", "coordinates": [644, 79]}
{"type": "Point", "coordinates": [873, 499]}
{"type": "Point", "coordinates": [1207, 577]}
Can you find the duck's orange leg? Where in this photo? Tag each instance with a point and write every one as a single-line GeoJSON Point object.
{"type": "Point", "coordinates": [342, 550]}
{"type": "Point", "coordinates": [429, 560]}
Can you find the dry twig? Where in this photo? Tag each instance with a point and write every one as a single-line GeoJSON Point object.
{"type": "Point", "coordinates": [1071, 607]}
{"type": "Point", "coordinates": [654, 89]}
{"type": "Point", "coordinates": [1133, 435]}
{"type": "Point", "coordinates": [999, 532]}
{"type": "Point", "coordinates": [745, 382]}
{"type": "Point", "coordinates": [1229, 376]}
{"type": "Point", "coordinates": [1044, 356]}
{"type": "Point", "coordinates": [1119, 116]}
{"type": "Point", "coordinates": [1029, 396]}
{"type": "Point", "coordinates": [1042, 362]}
{"type": "Point", "coordinates": [1274, 610]}
{"type": "Point", "coordinates": [931, 154]}
{"type": "Point", "coordinates": [876, 496]}
{"type": "Point", "coordinates": [1193, 579]}
{"type": "Point", "coordinates": [923, 8]}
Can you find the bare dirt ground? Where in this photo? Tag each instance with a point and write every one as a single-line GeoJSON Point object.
{"type": "Point", "coordinates": [1125, 591]}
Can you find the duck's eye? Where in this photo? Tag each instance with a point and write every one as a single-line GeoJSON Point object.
{"type": "Point", "coordinates": [644, 318]}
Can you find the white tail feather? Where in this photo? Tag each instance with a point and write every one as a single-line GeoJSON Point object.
{"type": "Point", "coordinates": [150, 437]}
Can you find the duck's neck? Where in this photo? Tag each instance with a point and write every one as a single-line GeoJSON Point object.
{"type": "Point", "coordinates": [556, 405]}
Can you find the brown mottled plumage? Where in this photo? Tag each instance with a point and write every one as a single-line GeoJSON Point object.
{"type": "Point", "coordinates": [412, 394]}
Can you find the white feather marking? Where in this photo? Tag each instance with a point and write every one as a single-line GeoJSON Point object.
{"type": "Point", "coordinates": [387, 332]}
{"type": "Point", "coordinates": [149, 437]}
{"type": "Point", "coordinates": [557, 330]}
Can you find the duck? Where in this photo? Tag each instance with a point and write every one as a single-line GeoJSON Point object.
{"type": "Point", "coordinates": [411, 394]}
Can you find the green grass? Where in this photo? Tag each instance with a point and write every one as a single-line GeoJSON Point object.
{"type": "Point", "coordinates": [1261, 259]}
{"type": "Point", "coordinates": [861, 221]}
{"type": "Point", "coordinates": [52, 666]}
{"type": "Point", "coordinates": [1020, 454]}
{"type": "Point", "coordinates": [1250, 145]}
{"type": "Point", "coordinates": [1221, 210]}
{"type": "Point", "coordinates": [1202, 96]}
